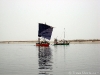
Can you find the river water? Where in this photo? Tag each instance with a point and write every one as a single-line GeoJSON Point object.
{"type": "Point", "coordinates": [27, 59]}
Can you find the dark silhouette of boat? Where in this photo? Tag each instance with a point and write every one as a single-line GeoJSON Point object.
{"type": "Point", "coordinates": [61, 42]}
{"type": "Point", "coordinates": [44, 33]}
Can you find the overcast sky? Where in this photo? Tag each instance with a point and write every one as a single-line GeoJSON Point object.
{"type": "Point", "coordinates": [19, 18]}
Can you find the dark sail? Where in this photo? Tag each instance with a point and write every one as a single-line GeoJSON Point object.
{"type": "Point", "coordinates": [45, 31]}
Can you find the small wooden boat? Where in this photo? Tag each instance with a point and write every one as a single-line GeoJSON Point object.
{"type": "Point", "coordinates": [62, 42]}
{"type": "Point", "coordinates": [43, 44]}
{"type": "Point", "coordinates": [45, 31]}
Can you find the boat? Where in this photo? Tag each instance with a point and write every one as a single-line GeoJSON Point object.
{"type": "Point", "coordinates": [44, 32]}
{"type": "Point", "coordinates": [61, 42]}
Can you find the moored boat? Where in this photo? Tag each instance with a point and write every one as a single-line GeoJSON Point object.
{"type": "Point", "coordinates": [61, 42]}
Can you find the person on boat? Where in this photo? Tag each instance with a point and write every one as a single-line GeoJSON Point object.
{"type": "Point", "coordinates": [66, 41]}
{"type": "Point", "coordinates": [44, 42]}
{"type": "Point", "coordinates": [61, 41]}
{"type": "Point", "coordinates": [55, 41]}
{"type": "Point", "coordinates": [38, 40]}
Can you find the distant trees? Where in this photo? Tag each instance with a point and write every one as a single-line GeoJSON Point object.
{"type": "Point", "coordinates": [83, 40]}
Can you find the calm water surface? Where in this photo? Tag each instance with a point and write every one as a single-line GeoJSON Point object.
{"type": "Point", "coordinates": [27, 59]}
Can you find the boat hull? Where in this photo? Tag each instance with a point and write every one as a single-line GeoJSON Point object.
{"type": "Point", "coordinates": [62, 44]}
{"type": "Point", "coordinates": [43, 44]}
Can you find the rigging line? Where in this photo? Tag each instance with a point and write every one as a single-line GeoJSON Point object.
{"type": "Point", "coordinates": [63, 33]}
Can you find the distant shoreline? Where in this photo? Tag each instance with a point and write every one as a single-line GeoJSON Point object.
{"type": "Point", "coordinates": [71, 41]}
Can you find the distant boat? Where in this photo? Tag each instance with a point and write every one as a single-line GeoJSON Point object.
{"type": "Point", "coordinates": [44, 32]}
{"type": "Point", "coordinates": [61, 42]}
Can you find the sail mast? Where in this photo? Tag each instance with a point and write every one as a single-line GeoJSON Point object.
{"type": "Point", "coordinates": [38, 39]}
{"type": "Point", "coordinates": [64, 33]}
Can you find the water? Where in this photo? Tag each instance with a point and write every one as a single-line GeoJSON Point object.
{"type": "Point", "coordinates": [27, 59]}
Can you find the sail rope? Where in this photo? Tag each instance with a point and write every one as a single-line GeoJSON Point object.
{"type": "Point", "coordinates": [62, 35]}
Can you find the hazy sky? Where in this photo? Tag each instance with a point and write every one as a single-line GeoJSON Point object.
{"type": "Point", "coordinates": [19, 18]}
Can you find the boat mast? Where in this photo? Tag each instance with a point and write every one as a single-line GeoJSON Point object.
{"type": "Point", "coordinates": [43, 37]}
{"type": "Point", "coordinates": [64, 33]}
{"type": "Point", "coordinates": [38, 39]}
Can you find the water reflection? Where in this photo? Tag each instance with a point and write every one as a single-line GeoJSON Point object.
{"type": "Point", "coordinates": [45, 60]}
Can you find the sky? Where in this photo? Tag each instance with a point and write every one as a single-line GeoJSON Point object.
{"type": "Point", "coordinates": [19, 19]}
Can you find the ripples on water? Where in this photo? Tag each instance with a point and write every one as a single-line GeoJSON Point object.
{"type": "Point", "coordinates": [27, 59]}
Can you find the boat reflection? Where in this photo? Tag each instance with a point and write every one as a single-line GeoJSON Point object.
{"type": "Point", "coordinates": [45, 60]}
